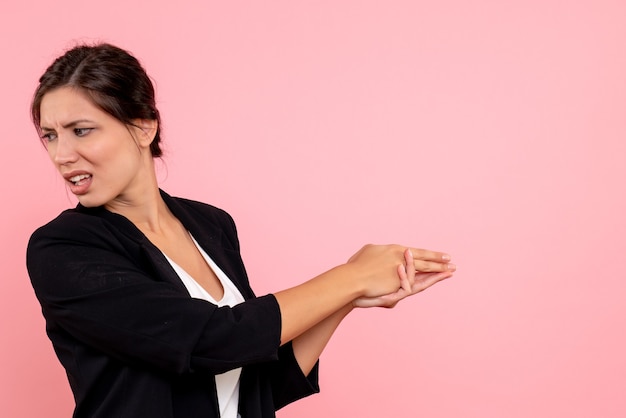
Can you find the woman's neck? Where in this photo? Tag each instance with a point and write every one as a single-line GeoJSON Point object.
{"type": "Point", "coordinates": [142, 204]}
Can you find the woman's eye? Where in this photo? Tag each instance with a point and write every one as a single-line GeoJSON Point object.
{"type": "Point", "coordinates": [50, 136]}
{"type": "Point", "coordinates": [81, 131]}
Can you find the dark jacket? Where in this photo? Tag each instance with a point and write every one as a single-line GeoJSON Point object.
{"type": "Point", "coordinates": [132, 340]}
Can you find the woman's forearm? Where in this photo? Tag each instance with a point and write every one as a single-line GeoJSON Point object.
{"type": "Point", "coordinates": [308, 346]}
{"type": "Point", "coordinates": [305, 306]}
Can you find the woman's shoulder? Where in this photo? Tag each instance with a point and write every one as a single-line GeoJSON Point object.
{"type": "Point", "coordinates": [81, 226]}
{"type": "Point", "coordinates": [183, 207]}
{"type": "Point", "coordinates": [203, 219]}
{"type": "Point", "coordinates": [68, 222]}
{"type": "Point", "coordinates": [200, 206]}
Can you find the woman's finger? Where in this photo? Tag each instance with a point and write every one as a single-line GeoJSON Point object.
{"type": "Point", "coordinates": [433, 267]}
{"type": "Point", "coordinates": [427, 255]}
{"type": "Point", "coordinates": [405, 284]}
{"type": "Point", "coordinates": [409, 266]}
{"type": "Point", "coordinates": [426, 280]}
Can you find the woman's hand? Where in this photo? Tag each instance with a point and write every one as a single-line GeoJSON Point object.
{"type": "Point", "coordinates": [369, 274]}
{"type": "Point", "coordinates": [411, 280]}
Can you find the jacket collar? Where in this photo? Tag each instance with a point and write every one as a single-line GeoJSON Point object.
{"type": "Point", "coordinates": [210, 237]}
{"type": "Point", "coordinates": [207, 233]}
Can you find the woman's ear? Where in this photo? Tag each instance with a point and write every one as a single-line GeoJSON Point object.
{"type": "Point", "coordinates": [144, 131]}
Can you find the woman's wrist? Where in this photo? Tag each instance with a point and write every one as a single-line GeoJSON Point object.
{"type": "Point", "coordinates": [353, 278]}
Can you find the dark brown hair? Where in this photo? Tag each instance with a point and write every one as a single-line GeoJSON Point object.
{"type": "Point", "coordinates": [113, 79]}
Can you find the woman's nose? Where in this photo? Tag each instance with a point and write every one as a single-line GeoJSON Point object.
{"type": "Point", "coordinates": [62, 151]}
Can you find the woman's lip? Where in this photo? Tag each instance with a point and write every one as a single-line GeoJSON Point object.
{"type": "Point", "coordinates": [81, 187]}
{"type": "Point", "coordinates": [68, 176]}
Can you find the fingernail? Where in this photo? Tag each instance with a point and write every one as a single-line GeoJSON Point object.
{"type": "Point", "coordinates": [411, 253]}
{"type": "Point", "coordinates": [445, 257]}
{"type": "Point", "coordinates": [451, 267]}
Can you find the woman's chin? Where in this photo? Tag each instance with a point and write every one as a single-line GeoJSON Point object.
{"type": "Point", "coordinates": [90, 201]}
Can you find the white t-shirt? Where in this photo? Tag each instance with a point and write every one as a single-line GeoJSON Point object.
{"type": "Point", "coordinates": [227, 383]}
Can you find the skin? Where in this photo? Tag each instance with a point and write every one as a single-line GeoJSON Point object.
{"type": "Point", "coordinates": [120, 175]}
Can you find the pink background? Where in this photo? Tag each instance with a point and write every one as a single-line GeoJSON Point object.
{"type": "Point", "coordinates": [490, 129]}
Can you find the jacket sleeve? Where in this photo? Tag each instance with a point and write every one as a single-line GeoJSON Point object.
{"type": "Point", "coordinates": [92, 290]}
{"type": "Point", "coordinates": [288, 382]}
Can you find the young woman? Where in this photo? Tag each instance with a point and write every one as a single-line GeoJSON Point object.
{"type": "Point", "coordinates": [145, 296]}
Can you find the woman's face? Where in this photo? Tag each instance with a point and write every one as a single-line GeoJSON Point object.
{"type": "Point", "coordinates": [101, 159]}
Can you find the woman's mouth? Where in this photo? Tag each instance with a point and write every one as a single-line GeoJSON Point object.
{"type": "Point", "coordinates": [79, 179]}
{"type": "Point", "coordinates": [80, 183]}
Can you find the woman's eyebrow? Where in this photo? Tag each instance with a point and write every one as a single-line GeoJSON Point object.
{"type": "Point", "coordinates": [68, 125]}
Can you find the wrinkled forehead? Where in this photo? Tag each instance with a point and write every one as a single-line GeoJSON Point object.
{"type": "Point", "coordinates": [64, 105]}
